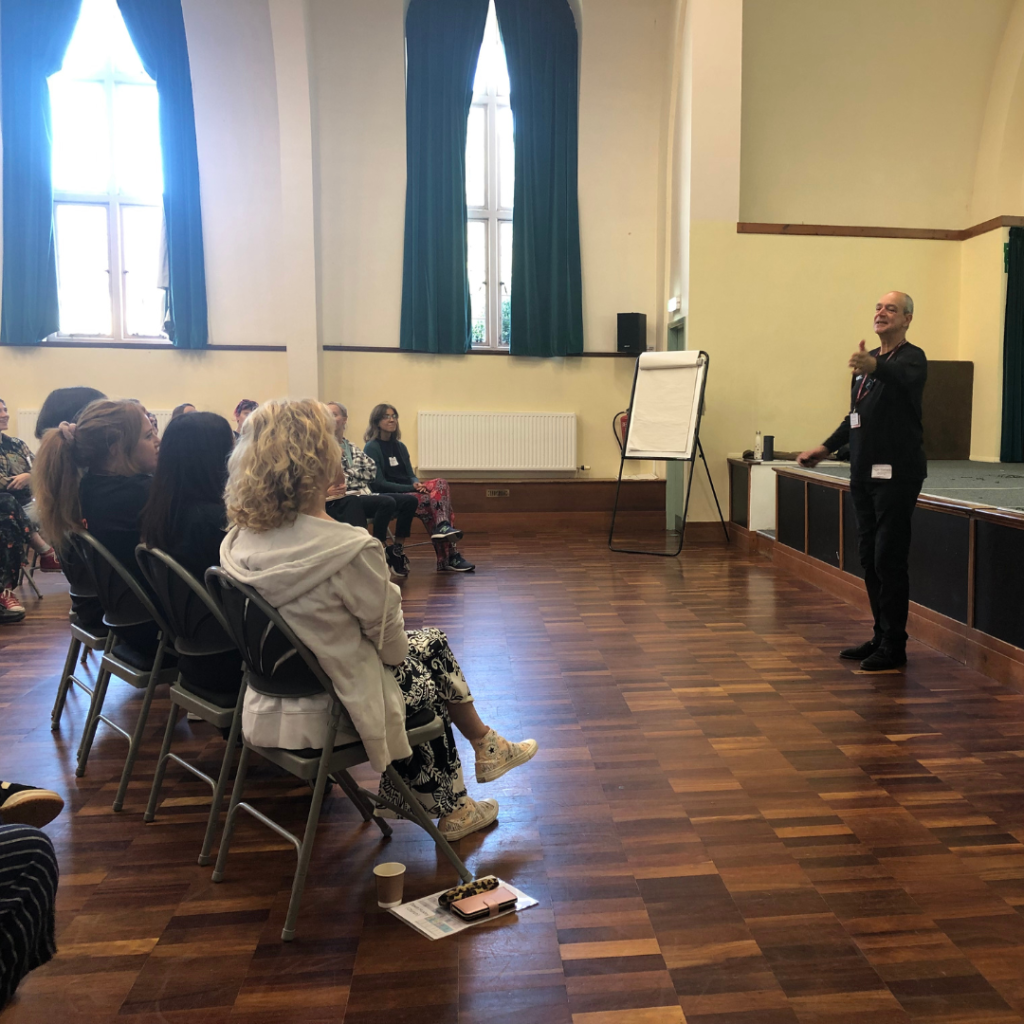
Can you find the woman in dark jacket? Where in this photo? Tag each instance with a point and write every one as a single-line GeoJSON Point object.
{"type": "Point", "coordinates": [186, 518]}
{"type": "Point", "coordinates": [394, 474]}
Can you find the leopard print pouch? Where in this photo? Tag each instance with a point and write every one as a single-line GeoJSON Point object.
{"type": "Point", "coordinates": [460, 892]}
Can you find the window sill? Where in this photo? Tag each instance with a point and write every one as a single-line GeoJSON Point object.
{"type": "Point", "coordinates": [476, 352]}
{"type": "Point", "coordinates": [153, 344]}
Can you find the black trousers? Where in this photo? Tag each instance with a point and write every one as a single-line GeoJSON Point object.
{"type": "Point", "coordinates": [884, 512]}
{"type": "Point", "coordinates": [355, 509]}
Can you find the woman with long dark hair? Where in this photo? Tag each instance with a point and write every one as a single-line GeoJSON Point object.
{"type": "Point", "coordinates": [394, 475]}
{"type": "Point", "coordinates": [186, 518]}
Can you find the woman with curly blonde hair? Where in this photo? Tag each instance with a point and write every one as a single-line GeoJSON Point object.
{"type": "Point", "coordinates": [330, 582]}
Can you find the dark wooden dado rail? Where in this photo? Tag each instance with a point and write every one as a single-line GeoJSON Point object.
{"type": "Point", "coordinates": [857, 231]}
{"type": "Point", "coordinates": [966, 567]}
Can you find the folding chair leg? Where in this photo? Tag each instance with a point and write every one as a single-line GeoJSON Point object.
{"type": "Point", "coordinates": [95, 708]}
{"type": "Point", "coordinates": [365, 808]}
{"type": "Point", "coordinates": [140, 726]}
{"type": "Point", "coordinates": [26, 577]}
{"type": "Point", "coordinates": [306, 849]}
{"type": "Point", "coordinates": [222, 785]}
{"type": "Point", "coordinates": [161, 763]}
{"type": "Point", "coordinates": [229, 824]}
{"type": "Point", "coordinates": [65, 684]}
{"type": "Point", "coordinates": [420, 816]}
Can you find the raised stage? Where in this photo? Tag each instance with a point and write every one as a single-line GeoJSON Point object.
{"type": "Point", "coordinates": [966, 558]}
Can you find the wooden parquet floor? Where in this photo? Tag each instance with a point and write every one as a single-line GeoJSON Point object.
{"type": "Point", "coordinates": [724, 825]}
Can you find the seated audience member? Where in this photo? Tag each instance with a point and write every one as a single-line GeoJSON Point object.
{"type": "Point", "coordinates": [185, 517]}
{"type": "Point", "coordinates": [242, 411]}
{"type": "Point", "coordinates": [28, 882]}
{"type": "Point", "coordinates": [16, 479]}
{"type": "Point", "coordinates": [360, 472]}
{"type": "Point", "coordinates": [116, 448]}
{"type": "Point", "coordinates": [395, 476]}
{"type": "Point", "coordinates": [149, 416]}
{"type": "Point", "coordinates": [330, 583]}
{"type": "Point", "coordinates": [15, 530]}
{"type": "Point", "coordinates": [181, 410]}
{"type": "Point", "coordinates": [59, 406]}
{"type": "Point", "coordinates": [63, 405]}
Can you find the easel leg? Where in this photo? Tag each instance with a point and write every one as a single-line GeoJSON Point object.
{"type": "Point", "coordinates": [618, 487]}
{"type": "Point", "coordinates": [714, 493]}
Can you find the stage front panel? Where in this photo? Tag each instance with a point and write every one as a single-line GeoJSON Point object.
{"type": "Point", "coordinates": [790, 525]}
{"type": "Point", "coordinates": [999, 582]}
{"type": "Point", "coordinates": [939, 557]}
{"type": "Point", "coordinates": [823, 523]}
{"type": "Point", "coordinates": [739, 492]}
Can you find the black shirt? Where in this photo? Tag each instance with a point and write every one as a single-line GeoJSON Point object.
{"type": "Point", "coordinates": [394, 471]}
{"type": "Point", "coordinates": [111, 506]}
{"type": "Point", "coordinates": [890, 431]}
{"type": "Point", "coordinates": [196, 545]}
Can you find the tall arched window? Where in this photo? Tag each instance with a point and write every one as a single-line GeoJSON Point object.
{"type": "Point", "coordinates": [107, 184]}
{"type": "Point", "coordinates": [490, 182]}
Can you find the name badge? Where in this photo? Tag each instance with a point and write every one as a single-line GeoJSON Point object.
{"type": "Point", "coordinates": [881, 471]}
{"type": "Point", "coordinates": [392, 461]}
{"type": "Point", "coordinates": [854, 420]}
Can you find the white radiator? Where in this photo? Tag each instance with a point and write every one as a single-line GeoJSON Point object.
{"type": "Point", "coordinates": [497, 441]}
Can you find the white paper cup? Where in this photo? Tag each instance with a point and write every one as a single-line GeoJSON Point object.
{"type": "Point", "coordinates": [390, 882]}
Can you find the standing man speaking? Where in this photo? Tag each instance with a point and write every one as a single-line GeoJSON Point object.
{"type": "Point", "coordinates": [887, 468]}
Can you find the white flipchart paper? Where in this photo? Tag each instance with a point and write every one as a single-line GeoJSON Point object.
{"type": "Point", "coordinates": [666, 405]}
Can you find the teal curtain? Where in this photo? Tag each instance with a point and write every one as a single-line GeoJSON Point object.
{"type": "Point", "coordinates": [1012, 447]}
{"type": "Point", "coordinates": [157, 29]}
{"type": "Point", "coordinates": [34, 35]}
{"type": "Point", "coordinates": [442, 43]}
{"type": "Point", "coordinates": [542, 51]}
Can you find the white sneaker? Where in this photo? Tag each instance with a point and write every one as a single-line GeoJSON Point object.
{"type": "Point", "coordinates": [469, 816]}
{"type": "Point", "coordinates": [495, 755]}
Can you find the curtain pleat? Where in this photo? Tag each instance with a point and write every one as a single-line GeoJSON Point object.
{"type": "Point", "coordinates": [34, 35]}
{"type": "Point", "coordinates": [542, 52]}
{"type": "Point", "coordinates": [1012, 446]}
{"type": "Point", "coordinates": [157, 28]}
{"type": "Point", "coordinates": [443, 40]}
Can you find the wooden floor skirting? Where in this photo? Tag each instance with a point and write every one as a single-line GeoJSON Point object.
{"type": "Point", "coordinates": [983, 653]}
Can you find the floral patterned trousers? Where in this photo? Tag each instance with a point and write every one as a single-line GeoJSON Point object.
{"type": "Point", "coordinates": [15, 530]}
{"type": "Point", "coordinates": [429, 678]}
{"type": "Point", "coordinates": [435, 506]}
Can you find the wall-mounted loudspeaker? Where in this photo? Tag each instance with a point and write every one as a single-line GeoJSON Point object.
{"type": "Point", "coordinates": [632, 332]}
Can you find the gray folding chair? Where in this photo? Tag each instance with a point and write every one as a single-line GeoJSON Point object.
{"type": "Point", "coordinates": [125, 604]}
{"type": "Point", "coordinates": [279, 665]}
{"type": "Point", "coordinates": [195, 628]}
{"type": "Point", "coordinates": [83, 638]}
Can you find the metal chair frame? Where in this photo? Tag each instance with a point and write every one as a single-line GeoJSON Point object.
{"type": "Point", "coordinates": [28, 572]}
{"type": "Point", "coordinates": [110, 664]}
{"type": "Point", "coordinates": [330, 761]}
{"type": "Point", "coordinates": [183, 698]}
{"type": "Point", "coordinates": [81, 585]}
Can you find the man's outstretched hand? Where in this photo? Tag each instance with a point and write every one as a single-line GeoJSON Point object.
{"type": "Point", "coordinates": [810, 458]}
{"type": "Point", "coordinates": [862, 361]}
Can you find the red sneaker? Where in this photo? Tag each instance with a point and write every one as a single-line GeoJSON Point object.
{"type": "Point", "coordinates": [48, 562]}
{"type": "Point", "coordinates": [9, 602]}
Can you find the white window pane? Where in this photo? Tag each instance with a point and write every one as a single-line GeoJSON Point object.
{"type": "Point", "coordinates": [137, 141]}
{"type": "Point", "coordinates": [143, 300]}
{"type": "Point", "coordinates": [101, 37]}
{"type": "Point", "coordinates": [491, 69]}
{"type": "Point", "coordinates": [476, 265]}
{"type": "Point", "coordinates": [505, 271]}
{"type": "Point", "coordinates": [81, 136]}
{"type": "Point", "coordinates": [506, 158]}
{"type": "Point", "coordinates": [82, 265]}
{"type": "Point", "coordinates": [476, 157]}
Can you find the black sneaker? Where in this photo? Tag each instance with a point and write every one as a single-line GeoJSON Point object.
{"type": "Point", "coordinates": [885, 659]}
{"type": "Point", "coordinates": [457, 564]}
{"type": "Point", "coordinates": [398, 564]}
{"type": "Point", "coordinates": [28, 805]}
{"type": "Point", "coordinates": [445, 531]}
{"type": "Point", "coordinates": [860, 653]}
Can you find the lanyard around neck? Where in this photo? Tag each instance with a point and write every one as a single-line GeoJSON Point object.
{"type": "Point", "coordinates": [864, 378]}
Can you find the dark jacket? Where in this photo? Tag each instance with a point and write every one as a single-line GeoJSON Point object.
{"type": "Point", "coordinates": [380, 484]}
{"type": "Point", "coordinates": [200, 530]}
{"type": "Point", "coordinates": [111, 506]}
{"type": "Point", "coordinates": [890, 431]}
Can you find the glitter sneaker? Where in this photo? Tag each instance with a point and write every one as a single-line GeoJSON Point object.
{"type": "Point", "coordinates": [495, 755]}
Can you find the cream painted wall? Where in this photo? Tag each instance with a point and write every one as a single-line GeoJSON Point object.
{"type": "Point", "coordinates": [779, 317]}
{"type": "Point", "coordinates": [982, 303]}
{"type": "Point", "coordinates": [235, 97]}
{"type": "Point", "coordinates": [213, 380]}
{"type": "Point", "coordinates": [865, 111]}
{"type": "Point", "coordinates": [595, 389]}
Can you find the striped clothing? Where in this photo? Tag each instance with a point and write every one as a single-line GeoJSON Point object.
{"type": "Point", "coordinates": [28, 889]}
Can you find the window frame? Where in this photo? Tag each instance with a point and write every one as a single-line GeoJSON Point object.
{"type": "Point", "coordinates": [113, 200]}
{"type": "Point", "coordinates": [492, 215]}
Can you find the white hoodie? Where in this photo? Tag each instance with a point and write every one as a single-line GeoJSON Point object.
{"type": "Point", "coordinates": [331, 584]}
